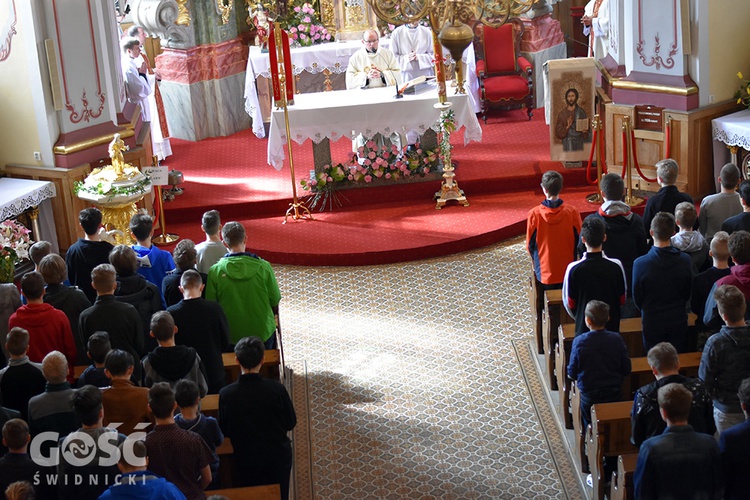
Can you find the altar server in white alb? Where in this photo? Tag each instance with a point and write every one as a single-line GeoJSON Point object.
{"type": "Point", "coordinates": [371, 66]}
{"type": "Point", "coordinates": [595, 22]}
{"type": "Point", "coordinates": [412, 46]}
{"type": "Point", "coordinates": [136, 80]}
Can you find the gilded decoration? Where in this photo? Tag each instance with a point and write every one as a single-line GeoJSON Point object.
{"type": "Point", "coordinates": [328, 15]}
{"type": "Point", "coordinates": [354, 16]}
{"type": "Point", "coordinates": [224, 8]}
{"type": "Point", "coordinates": [183, 15]}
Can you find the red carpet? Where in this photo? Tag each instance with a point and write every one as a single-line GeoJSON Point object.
{"type": "Point", "coordinates": [394, 223]}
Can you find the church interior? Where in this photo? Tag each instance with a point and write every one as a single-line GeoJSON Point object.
{"type": "Point", "coordinates": [417, 362]}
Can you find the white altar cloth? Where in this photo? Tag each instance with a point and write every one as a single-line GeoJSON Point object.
{"type": "Point", "coordinates": [333, 57]}
{"type": "Point", "coordinates": [730, 130]}
{"type": "Point", "coordinates": [337, 114]}
{"type": "Point", "coordinates": [17, 195]}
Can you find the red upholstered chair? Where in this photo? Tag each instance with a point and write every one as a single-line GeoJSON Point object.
{"type": "Point", "coordinates": [505, 80]}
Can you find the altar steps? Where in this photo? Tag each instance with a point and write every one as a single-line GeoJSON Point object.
{"type": "Point", "coordinates": [373, 225]}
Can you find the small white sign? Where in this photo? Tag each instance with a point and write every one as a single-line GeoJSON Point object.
{"type": "Point", "coordinates": [159, 175]}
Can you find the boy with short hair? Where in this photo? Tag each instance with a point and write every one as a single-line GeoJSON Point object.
{"type": "Point", "coordinates": [594, 277]}
{"type": "Point", "coordinates": [49, 328]}
{"type": "Point", "coordinates": [184, 260]}
{"type": "Point", "coordinates": [552, 230]}
{"type": "Point", "coordinates": [98, 348]}
{"type": "Point", "coordinates": [256, 414]}
{"type": "Point", "coordinates": [716, 208]}
{"type": "Point", "coordinates": [154, 263]}
{"type": "Point", "coordinates": [702, 284]}
{"type": "Point", "coordinates": [213, 249]}
{"type": "Point", "coordinates": [202, 326]}
{"type": "Point", "coordinates": [123, 401]}
{"type": "Point", "coordinates": [22, 379]}
{"type": "Point", "coordinates": [187, 395]}
{"type": "Point", "coordinates": [691, 242]}
{"type": "Point", "coordinates": [38, 251]}
{"type": "Point", "coordinates": [179, 456]}
{"type": "Point", "coordinates": [17, 465]}
{"type": "Point", "coordinates": [667, 198]}
{"type": "Point", "coordinates": [598, 361]}
{"type": "Point", "coordinates": [662, 280]}
{"type": "Point", "coordinates": [88, 252]}
{"type": "Point", "coordinates": [170, 362]}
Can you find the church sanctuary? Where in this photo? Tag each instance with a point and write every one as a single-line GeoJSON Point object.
{"type": "Point", "coordinates": [374, 249]}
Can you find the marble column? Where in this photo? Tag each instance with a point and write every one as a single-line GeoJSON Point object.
{"type": "Point", "coordinates": [203, 90]}
{"type": "Point", "coordinates": [202, 64]}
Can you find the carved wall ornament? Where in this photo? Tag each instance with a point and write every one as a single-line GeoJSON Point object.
{"type": "Point", "coordinates": [655, 59]}
{"type": "Point", "coordinates": [160, 18]}
{"type": "Point", "coordinates": [328, 15]}
{"type": "Point", "coordinates": [86, 113]}
{"type": "Point", "coordinates": [7, 27]}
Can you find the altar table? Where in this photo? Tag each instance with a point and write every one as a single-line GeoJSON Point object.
{"type": "Point", "coordinates": [331, 59]}
{"type": "Point", "coordinates": [731, 132]}
{"type": "Point", "coordinates": [346, 113]}
{"type": "Point", "coordinates": [18, 195]}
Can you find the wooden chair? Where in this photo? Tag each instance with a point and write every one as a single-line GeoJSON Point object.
{"type": "Point", "coordinates": [505, 77]}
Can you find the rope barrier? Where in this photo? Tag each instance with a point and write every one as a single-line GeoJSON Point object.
{"type": "Point", "coordinates": [635, 158]}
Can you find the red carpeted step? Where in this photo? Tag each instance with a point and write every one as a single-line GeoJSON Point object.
{"type": "Point", "coordinates": [393, 223]}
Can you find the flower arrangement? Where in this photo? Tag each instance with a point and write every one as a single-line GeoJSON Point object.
{"type": "Point", "coordinates": [743, 93]}
{"type": "Point", "coordinates": [107, 188]}
{"type": "Point", "coordinates": [305, 28]}
{"type": "Point", "coordinates": [372, 162]}
{"type": "Point", "coordinates": [14, 247]}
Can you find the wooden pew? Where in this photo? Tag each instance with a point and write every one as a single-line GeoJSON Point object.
{"type": "Point", "coordinates": [640, 375]}
{"type": "Point", "coordinates": [630, 329]}
{"type": "Point", "coordinates": [554, 315]}
{"type": "Point", "coordinates": [536, 313]}
{"type": "Point", "coordinates": [270, 369]}
{"type": "Point", "coordinates": [226, 463]}
{"type": "Point", "coordinates": [608, 436]}
{"type": "Point", "coordinates": [622, 480]}
{"type": "Point", "coordinates": [210, 405]}
{"type": "Point", "coordinates": [264, 492]}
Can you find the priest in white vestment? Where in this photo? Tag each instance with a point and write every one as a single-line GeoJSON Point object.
{"type": "Point", "coordinates": [596, 26]}
{"type": "Point", "coordinates": [412, 46]}
{"type": "Point", "coordinates": [372, 66]}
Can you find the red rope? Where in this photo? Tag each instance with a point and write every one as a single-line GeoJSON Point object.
{"type": "Point", "coordinates": [591, 159]}
{"type": "Point", "coordinates": [624, 152]}
{"type": "Point", "coordinates": [635, 159]}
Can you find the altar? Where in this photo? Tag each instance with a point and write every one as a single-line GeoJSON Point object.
{"type": "Point", "coordinates": [19, 195]}
{"type": "Point", "coordinates": [321, 68]}
{"type": "Point", "coordinates": [731, 134]}
{"type": "Point", "coordinates": [347, 113]}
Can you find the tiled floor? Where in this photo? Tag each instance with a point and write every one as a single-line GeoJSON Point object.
{"type": "Point", "coordinates": [420, 381]}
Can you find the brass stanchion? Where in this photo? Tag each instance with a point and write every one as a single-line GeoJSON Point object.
{"type": "Point", "coordinates": [297, 209]}
{"type": "Point", "coordinates": [630, 199]}
{"type": "Point", "coordinates": [164, 238]}
{"type": "Point", "coordinates": [596, 126]}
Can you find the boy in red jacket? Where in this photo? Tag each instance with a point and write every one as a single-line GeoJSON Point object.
{"type": "Point", "coordinates": [49, 328]}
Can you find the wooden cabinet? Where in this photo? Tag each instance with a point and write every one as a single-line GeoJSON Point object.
{"type": "Point", "coordinates": [690, 145]}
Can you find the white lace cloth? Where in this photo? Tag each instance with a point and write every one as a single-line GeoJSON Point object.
{"type": "Point", "coordinates": [347, 113]}
{"type": "Point", "coordinates": [733, 130]}
{"type": "Point", "coordinates": [17, 195]}
{"type": "Point", "coordinates": [333, 57]}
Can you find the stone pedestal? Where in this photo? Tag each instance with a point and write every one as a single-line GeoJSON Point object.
{"type": "Point", "coordinates": [203, 89]}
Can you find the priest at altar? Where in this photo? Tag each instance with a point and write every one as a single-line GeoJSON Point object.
{"type": "Point", "coordinates": [372, 66]}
